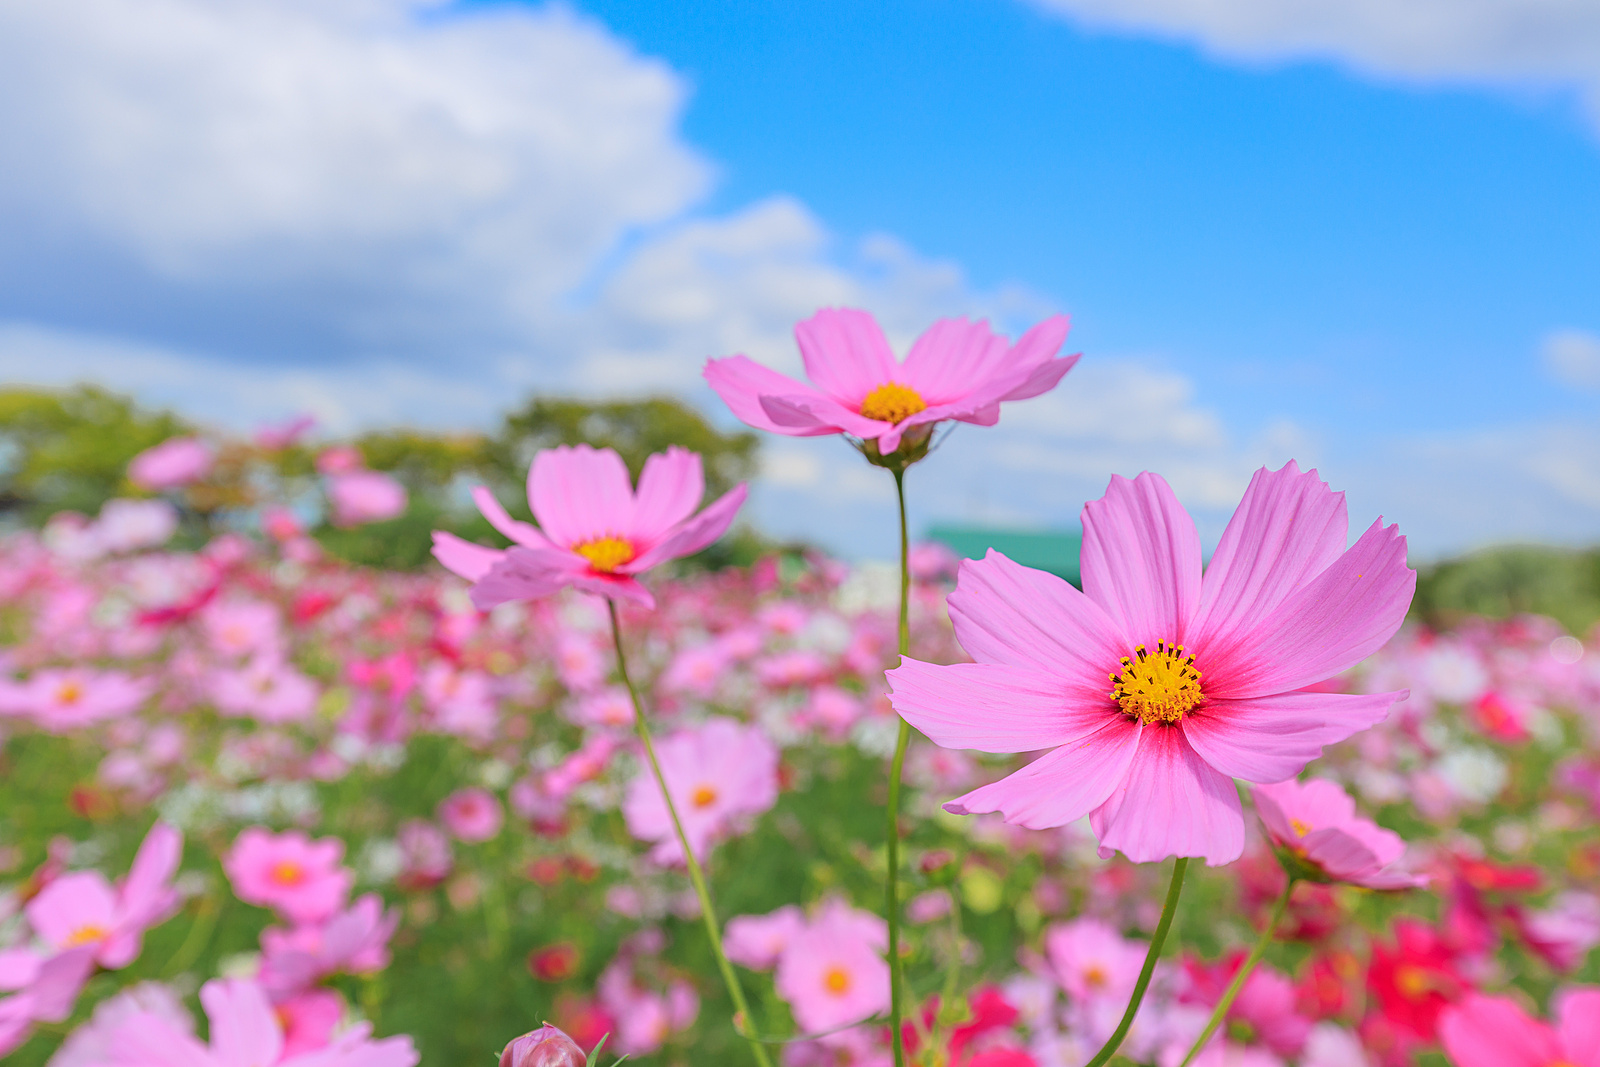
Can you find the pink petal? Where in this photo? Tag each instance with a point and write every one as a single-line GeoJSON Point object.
{"type": "Point", "coordinates": [951, 359]}
{"type": "Point", "coordinates": [464, 558]}
{"type": "Point", "coordinates": [694, 534]}
{"type": "Point", "coordinates": [1043, 378]}
{"type": "Point", "coordinates": [70, 903]}
{"type": "Point", "coordinates": [244, 1031]}
{"type": "Point", "coordinates": [1332, 623]}
{"type": "Point", "coordinates": [1141, 560]}
{"type": "Point", "coordinates": [1485, 1031]}
{"type": "Point", "coordinates": [60, 979]}
{"type": "Point", "coordinates": [1062, 785]}
{"type": "Point", "coordinates": [741, 382]}
{"type": "Point", "coordinates": [1338, 853]}
{"type": "Point", "coordinates": [580, 493]}
{"type": "Point", "coordinates": [520, 533]}
{"type": "Point", "coordinates": [1004, 612]}
{"type": "Point", "coordinates": [670, 488]}
{"type": "Point", "coordinates": [992, 707]}
{"type": "Point", "coordinates": [810, 414]}
{"type": "Point", "coordinates": [619, 587]}
{"type": "Point", "coordinates": [1287, 530]}
{"type": "Point", "coordinates": [526, 574]}
{"type": "Point", "coordinates": [149, 1040]}
{"type": "Point", "coordinates": [146, 892]}
{"type": "Point", "coordinates": [1270, 739]}
{"type": "Point", "coordinates": [1035, 349]}
{"type": "Point", "coordinates": [1271, 813]}
{"type": "Point", "coordinates": [845, 353]}
{"type": "Point", "coordinates": [1578, 1022]}
{"type": "Point", "coordinates": [1171, 803]}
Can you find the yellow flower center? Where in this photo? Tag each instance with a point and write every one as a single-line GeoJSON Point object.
{"type": "Point", "coordinates": [1300, 827]}
{"type": "Point", "coordinates": [69, 693]}
{"type": "Point", "coordinates": [86, 934]}
{"type": "Point", "coordinates": [605, 554]}
{"type": "Point", "coordinates": [892, 402]}
{"type": "Point", "coordinates": [836, 980]}
{"type": "Point", "coordinates": [1412, 981]}
{"type": "Point", "coordinates": [287, 872]}
{"type": "Point", "coordinates": [1095, 977]}
{"type": "Point", "coordinates": [703, 797]}
{"type": "Point", "coordinates": [1160, 686]}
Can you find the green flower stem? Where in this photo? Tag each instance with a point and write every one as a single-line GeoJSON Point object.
{"type": "Point", "coordinates": [1168, 910]}
{"type": "Point", "coordinates": [892, 885]}
{"type": "Point", "coordinates": [707, 912]}
{"type": "Point", "coordinates": [1244, 973]}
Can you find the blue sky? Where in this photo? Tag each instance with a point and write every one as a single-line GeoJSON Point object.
{"type": "Point", "coordinates": [1301, 230]}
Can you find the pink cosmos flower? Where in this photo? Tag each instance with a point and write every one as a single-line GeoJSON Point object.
{"type": "Point", "coordinates": [245, 1032]}
{"type": "Point", "coordinates": [62, 700]}
{"type": "Point", "coordinates": [717, 774]}
{"type": "Point", "coordinates": [289, 872]}
{"type": "Point", "coordinates": [1485, 1031]}
{"type": "Point", "coordinates": [354, 941]}
{"type": "Point", "coordinates": [46, 993]}
{"type": "Point", "coordinates": [266, 689]}
{"type": "Point", "coordinates": [1316, 822]}
{"type": "Point", "coordinates": [310, 1020]}
{"type": "Point", "coordinates": [363, 496]}
{"type": "Point", "coordinates": [131, 525]}
{"type": "Point", "coordinates": [425, 856]}
{"type": "Point", "coordinates": [175, 462]}
{"type": "Point", "coordinates": [238, 628]}
{"type": "Point", "coordinates": [595, 533]}
{"type": "Point", "coordinates": [832, 972]}
{"type": "Point", "coordinates": [471, 815]}
{"type": "Point", "coordinates": [756, 941]}
{"type": "Point", "coordinates": [1092, 961]}
{"type": "Point", "coordinates": [544, 1047]}
{"type": "Point", "coordinates": [956, 370]}
{"type": "Point", "coordinates": [94, 1041]}
{"type": "Point", "coordinates": [82, 908]}
{"type": "Point", "coordinates": [1154, 687]}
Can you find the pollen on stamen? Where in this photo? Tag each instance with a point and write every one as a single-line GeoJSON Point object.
{"type": "Point", "coordinates": [892, 402]}
{"type": "Point", "coordinates": [1157, 687]}
{"type": "Point", "coordinates": [605, 554]}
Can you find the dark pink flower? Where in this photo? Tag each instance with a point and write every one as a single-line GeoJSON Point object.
{"type": "Point", "coordinates": [1485, 1031]}
{"type": "Point", "coordinates": [544, 1047]}
{"type": "Point", "coordinates": [472, 815]}
{"type": "Point", "coordinates": [298, 877]}
{"type": "Point", "coordinates": [1154, 687]}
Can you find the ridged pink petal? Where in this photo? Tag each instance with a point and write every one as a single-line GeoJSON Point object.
{"type": "Point", "coordinates": [1036, 348]}
{"type": "Point", "coordinates": [810, 414]}
{"type": "Point", "coordinates": [670, 488]}
{"type": "Point", "coordinates": [1272, 814]}
{"type": "Point", "coordinates": [1004, 612]}
{"type": "Point", "coordinates": [992, 707]}
{"type": "Point", "coordinates": [1042, 378]}
{"type": "Point", "coordinates": [464, 558]}
{"type": "Point", "coordinates": [580, 493]}
{"type": "Point", "coordinates": [1481, 1031]}
{"type": "Point", "coordinates": [526, 574]}
{"type": "Point", "coordinates": [845, 353]}
{"type": "Point", "coordinates": [1330, 624]}
{"type": "Point", "coordinates": [1271, 739]}
{"type": "Point", "coordinates": [1338, 853]}
{"type": "Point", "coordinates": [520, 533]}
{"type": "Point", "coordinates": [244, 1030]}
{"type": "Point", "coordinates": [691, 536]}
{"type": "Point", "coordinates": [1060, 786]}
{"type": "Point", "coordinates": [1141, 559]}
{"type": "Point", "coordinates": [952, 358]}
{"type": "Point", "coordinates": [741, 382]}
{"type": "Point", "coordinates": [619, 587]}
{"type": "Point", "coordinates": [1578, 1022]}
{"type": "Point", "coordinates": [1287, 530]}
{"type": "Point", "coordinates": [1171, 803]}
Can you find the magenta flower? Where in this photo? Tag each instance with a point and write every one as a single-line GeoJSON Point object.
{"type": "Point", "coordinates": [956, 370]}
{"type": "Point", "coordinates": [471, 815]}
{"type": "Point", "coordinates": [363, 496]}
{"type": "Point", "coordinates": [595, 532]}
{"type": "Point", "coordinates": [174, 462]}
{"type": "Point", "coordinates": [1154, 686]}
{"type": "Point", "coordinates": [719, 774]}
{"type": "Point", "coordinates": [82, 908]}
{"type": "Point", "coordinates": [832, 972]}
{"type": "Point", "coordinates": [1316, 823]}
{"type": "Point", "coordinates": [1484, 1031]}
{"type": "Point", "coordinates": [298, 877]}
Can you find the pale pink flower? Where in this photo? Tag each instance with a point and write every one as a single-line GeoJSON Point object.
{"type": "Point", "coordinates": [82, 908]}
{"type": "Point", "coordinates": [696, 670]}
{"type": "Point", "coordinates": [784, 669]}
{"type": "Point", "coordinates": [1317, 824]}
{"type": "Point", "coordinates": [340, 459]}
{"type": "Point", "coordinates": [756, 941]}
{"type": "Point", "coordinates": [277, 437]}
{"type": "Point", "coordinates": [1154, 687]}
{"type": "Point", "coordinates": [265, 689]}
{"type": "Point", "coordinates": [175, 462]}
{"type": "Point", "coordinates": [1331, 1045]}
{"type": "Point", "coordinates": [1565, 932]}
{"type": "Point", "coordinates": [94, 1041]}
{"type": "Point", "coordinates": [61, 700]}
{"type": "Point", "coordinates": [425, 856]}
{"type": "Point", "coordinates": [1092, 961]}
{"type": "Point", "coordinates": [584, 765]}
{"type": "Point", "coordinates": [363, 496]}
{"type": "Point", "coordinates": [462, 701]}
{"type": "Point", "coordinates": [472, 815]}
{"type": "Point", "coordinates": [354, 941]}
{"type": "Point", "coordinates": [239, 628]}
{"type": "Point", "coordinates": [1486, 1031]}
{"type": "Point", "coordinates": [832, 972]}
{"type": "Point", "coordinates": [718, 774]}
{"type": "Point", "coordinates": [579, 661]}
{"type": "Point", "coordinates": [288, 872]}
{"type": "Point", "coordinates": [835, 710]}
{"type": "Point", "coordinates": [46, 994]}
{"type": "Point", "coordinates": [595, 532]}
{"type": "Point", "coordinates": [131, 525]}
{"type": "Point", "coordinates": [611, 706]}
{"type": "Point", "coordinates": [956, 370]}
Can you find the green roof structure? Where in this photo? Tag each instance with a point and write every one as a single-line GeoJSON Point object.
{"type": "Point", "coordinates": [1055, 551]}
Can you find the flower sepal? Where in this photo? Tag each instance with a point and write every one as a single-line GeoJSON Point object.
{"type": "Point", "coordinates": [915, 444]}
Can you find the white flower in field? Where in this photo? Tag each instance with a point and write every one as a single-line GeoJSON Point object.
{"type": "Point", "coordinates": [870, 587]}
{"type": "Point", "coordinates": [1476, 774]}
{"type": "Point", "coordinates": [1454, 674]}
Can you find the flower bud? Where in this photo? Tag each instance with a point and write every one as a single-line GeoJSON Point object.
{"type": "Point", "coordinates": [544, 1047]}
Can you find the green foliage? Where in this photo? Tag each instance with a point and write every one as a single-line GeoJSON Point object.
{"type": "Point", "coordinates": [1498, 582]}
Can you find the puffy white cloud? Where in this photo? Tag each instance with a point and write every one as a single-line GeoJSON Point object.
{"type": "Point", "coordinates": [1573, 358]}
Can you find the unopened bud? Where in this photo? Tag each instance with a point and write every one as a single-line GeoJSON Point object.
{"type": "Point", "coordinates": [544, 1047]}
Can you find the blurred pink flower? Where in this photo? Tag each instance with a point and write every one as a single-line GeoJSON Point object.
{"type": "Point", "coordinates": [1092, 961]}
{"type": "Point", "coordinates": [46, 993]}
{"type": "Point", "coordinates": [1154, 687]}
{"type": "Point", "coordinates": [595, 532]}
{"type": "Point", "coordinates": [354, 941]}
{"type": "Point", "coordinates": [278, 437]}
{"type": "Point", "coordinates": [832, 972]}
{"type": "Point", "coordinates": [472, 815]}
{"type": "Point", "coordinates": [265, 689]}
{"type": "Point", "coordinates": [310, 1020]}
{"type": "Point", "coordinates": [340, 459]}
{"type": "Point", "coordinates": [175, 462]}
{"type": "Point", "coordinates": [956, 370]}
{"type": "Point", "coordinates": [237, 628]}
{"type": "Point", "coordinates": [363, 496]}
{"type": "Point", "coordinates": [82, 908]}
{"type": "Point", "coordinates": [756, 941]}
{"type": "Point", "coordinates": [299, 878]}
{"type": "Point", "coordinates": [1488, 1031]}
{"type": "Point", "coordinates": [132, 525]}
{"type": "Point", "coordinates": [544, 1047]}
{"type": "Point", "coordinates": [1316, 822]}
{"type": "Point", "coordinates": [62, 700]}
{"type": "Point", "coordinates": [719, 773]}
{"type": "Point", "coordinates": [425, 856]}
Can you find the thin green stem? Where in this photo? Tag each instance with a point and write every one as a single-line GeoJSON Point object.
{"type": "Point", "coordinates": [1244, 973]}
{"type": "Point", "coordinates": [696, 875]}
{"type": "Point", "coordinates": [1168, 910]}
{"type": "Point", "coordinates": [892, 883]}
{"type": "Point", "coordinates": [199, 935]}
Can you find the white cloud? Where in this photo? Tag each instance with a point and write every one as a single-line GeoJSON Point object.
{"type": "Point", "coordinates": [1573, 358]}
{"type": "Point", "coordinates": [1540, 41]}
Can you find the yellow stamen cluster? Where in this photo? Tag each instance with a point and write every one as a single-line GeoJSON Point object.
{"type": "Point", "coordinates": [85, 935]}
{"type": "Point", "coordinates": [1157, 687]}
{"type": "Point", "coordinates": [1300, 827]}
{"type": "Point", "coordinates": [836, 980]}
{"type": "Point", "coordinates": [605, 554]}
{"type": "Point", "coordinates": [69, 693]}
{"type": "Point", "coordinates": [703, 797]}
{"type": "Point", "coordinates": [287, 872]}
{"type": "Point", "coordinates": [892, 402]}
